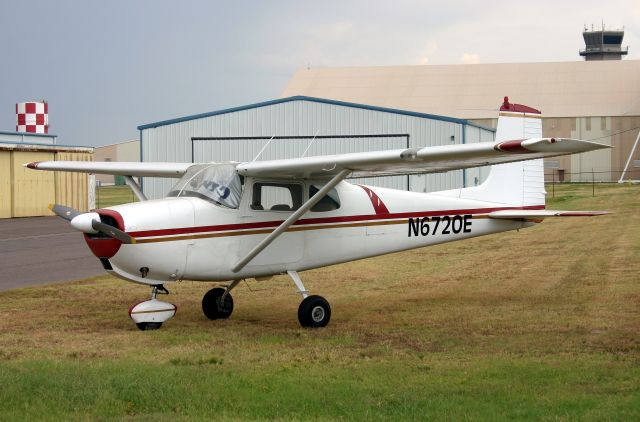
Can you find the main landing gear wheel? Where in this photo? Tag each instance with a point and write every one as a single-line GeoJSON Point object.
{"type": "Point", "coordinates": [314, 311]}
{"type": "Point", "coordinates": [214, 306]}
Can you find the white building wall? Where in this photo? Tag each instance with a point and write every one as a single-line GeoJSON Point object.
{"type": "Point", "coordinates": [172, 142]}
{"type": "Point", "coordinates": [128, 151]}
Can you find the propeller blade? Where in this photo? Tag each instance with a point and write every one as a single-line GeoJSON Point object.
{"type": "Point", "coordinates": [64, 212]}
{"type": "Point", "coordinates": [112, 232]}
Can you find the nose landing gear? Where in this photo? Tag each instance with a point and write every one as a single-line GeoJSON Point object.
{"type": "Point", "coordinates": [150, 314]}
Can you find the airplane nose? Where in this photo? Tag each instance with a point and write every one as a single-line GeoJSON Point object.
{"type": "Point", "coordinates": [84, 222]}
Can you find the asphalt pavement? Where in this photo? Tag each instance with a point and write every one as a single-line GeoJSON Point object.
{"type": "Point", "coordinates": [42, 250]}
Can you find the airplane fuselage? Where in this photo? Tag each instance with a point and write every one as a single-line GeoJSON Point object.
{"type": "Point", "coordinates": [192, 239]}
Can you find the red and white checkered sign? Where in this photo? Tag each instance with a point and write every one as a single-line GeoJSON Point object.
{"type": "Point", "coordinates": [32, 117]}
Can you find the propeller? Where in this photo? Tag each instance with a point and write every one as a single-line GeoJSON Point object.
{"type": "Point", "coordinates": [64, 212]}
{"type": "Point", "coordinates": [112, 232]}
{"type": "Point", "coordinates": [89, 222]}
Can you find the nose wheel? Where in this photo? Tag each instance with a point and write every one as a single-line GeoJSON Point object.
{"type": "Point", "coordinates": [150, 314]}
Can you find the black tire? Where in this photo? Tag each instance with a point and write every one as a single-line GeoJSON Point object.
{"type": "Point", "coordinates": [146, 326]}
{"type": "Point", "coordinates": [314, 311]}
{"type": "Point", "coordinates": [211, 306]}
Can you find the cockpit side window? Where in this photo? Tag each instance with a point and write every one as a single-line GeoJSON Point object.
{"type": "Point", "coordinates": [330, 202]}
{"type": "Point", "coordinates": [276, 196]}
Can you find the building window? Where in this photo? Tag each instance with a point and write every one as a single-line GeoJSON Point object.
{"type": "Point", "coordinates": [574, 124]}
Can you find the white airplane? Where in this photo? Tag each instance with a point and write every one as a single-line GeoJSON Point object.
{"type": "Point", "coordinates": [233, 221]}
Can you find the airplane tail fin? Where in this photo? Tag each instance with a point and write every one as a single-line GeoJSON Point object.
{"type": "Point", "coordinates": [514, 184]}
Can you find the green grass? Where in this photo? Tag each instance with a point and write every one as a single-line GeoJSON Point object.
{"type": "Point", "coordinates": [537, 324]}
{"type": "Point", "coordinates": [107, 196]}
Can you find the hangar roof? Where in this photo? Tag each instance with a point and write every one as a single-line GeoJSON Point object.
{"type": "Point", "coordinates": [311, 99]}
{"type": "Point", "coordinates": [42, 135]}
{"type": "Point", "coordinates": [26, 146]}
{"type": "Point", "coordinates": [475, 91]}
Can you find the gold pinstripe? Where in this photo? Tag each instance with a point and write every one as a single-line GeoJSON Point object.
{"type": "Point", "coordinates": [291, 229]}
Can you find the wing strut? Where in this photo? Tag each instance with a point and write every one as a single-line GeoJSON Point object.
{"type": "Point", "coordinates": [292, 219]}
{"type": "Point", "coordinates": [135, 188]}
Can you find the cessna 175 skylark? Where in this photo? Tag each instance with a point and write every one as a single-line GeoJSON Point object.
{"type": "Point", "coordinates": [233, 221]}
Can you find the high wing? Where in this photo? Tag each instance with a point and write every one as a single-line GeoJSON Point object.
{"type": "Point", "coordinates": [417, 160]}
{"type": "Point", "coordinates": [362, 164]}
{"type": "Point", "coordinates": [175, 170]}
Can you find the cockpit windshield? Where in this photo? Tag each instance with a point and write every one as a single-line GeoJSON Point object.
{"type": "Point", "coordinates": [217, 183]}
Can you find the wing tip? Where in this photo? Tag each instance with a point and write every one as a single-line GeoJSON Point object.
{"type": "Point", "coordinates": [33, 165]}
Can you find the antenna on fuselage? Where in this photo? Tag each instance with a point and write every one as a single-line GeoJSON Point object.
{"type": "Point", "coordinates": [310, 143]}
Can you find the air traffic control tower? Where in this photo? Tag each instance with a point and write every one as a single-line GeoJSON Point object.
{"type": "Point", "coordinates": [603, 44]}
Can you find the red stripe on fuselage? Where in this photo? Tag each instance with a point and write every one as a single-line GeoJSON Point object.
{"type": "Point", "coordinates": [345, 219]}
{"type": "Point", "coordinates": [378, 206]}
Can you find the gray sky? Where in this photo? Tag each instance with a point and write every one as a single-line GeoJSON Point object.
{"type": "Point", "coordinates": [107, 67]}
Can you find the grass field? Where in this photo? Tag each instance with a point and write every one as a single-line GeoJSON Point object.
{"type": "Point", "coordinates": [537, 324]}
{"type": "Point", "coordinates": [107, 196]}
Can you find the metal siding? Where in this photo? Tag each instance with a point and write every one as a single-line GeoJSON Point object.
{"type": "Point", "coordinates": [472, 135]}
{"type": "Point", "coordinates": [172, 142]}
{"type": "Point", "coordinates": [5, 184]}
{"type": "Point", "coordinates": [22, 137]}
{"type": "Point", "coordinates": [72, 188]}
{"type": "Point", "coordinates": [33, 191]}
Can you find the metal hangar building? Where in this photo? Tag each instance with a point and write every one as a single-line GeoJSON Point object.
{"type": "Point", "coordinates": [591, 100]}
{"type": "Point", "coordinates": [306, 126]}
{"type": "Point", "coordinates": [27, 193]}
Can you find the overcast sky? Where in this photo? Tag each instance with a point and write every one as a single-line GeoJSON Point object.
{"type": "Point", "coordinates": [107, 67]}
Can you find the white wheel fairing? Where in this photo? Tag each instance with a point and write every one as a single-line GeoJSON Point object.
{"type": "Point", "coordinates": [152, 311]}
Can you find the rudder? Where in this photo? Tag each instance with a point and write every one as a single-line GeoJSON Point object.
{"type": "Point", "coordinates": [514, 184]}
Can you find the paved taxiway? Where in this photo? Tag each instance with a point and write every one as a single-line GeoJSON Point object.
{"type": "Point", "coordinates": [42, 250]}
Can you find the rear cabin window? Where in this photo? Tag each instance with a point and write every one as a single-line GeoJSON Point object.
{"type": "Point", "coordinates": [329, 202]}
{"type": "Point", "coordinates": [276, 196]}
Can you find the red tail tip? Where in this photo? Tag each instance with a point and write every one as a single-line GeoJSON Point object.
{"type": "Point", "coordinates": [33, 165]}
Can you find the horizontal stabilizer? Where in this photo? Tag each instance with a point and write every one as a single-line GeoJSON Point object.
{"type": "Point", "coordinates": [538, 214]}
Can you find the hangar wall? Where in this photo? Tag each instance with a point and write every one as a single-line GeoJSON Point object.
{"type": "Point", "coordinates": [28, 193]}
{"type": "Point", "coordinates": [238, 134]}
{"type": "Point", "coordinates": [121, 151]}
{"type": "Point", "coordinates": [591, 100]}
{"type": "Point", "coordinates": [602, 165]}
